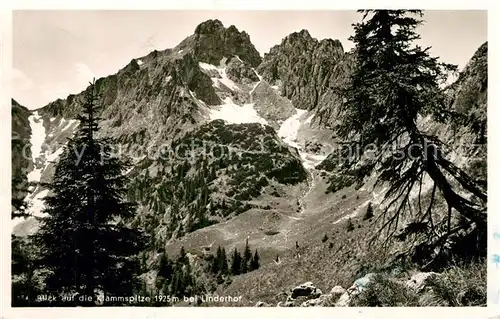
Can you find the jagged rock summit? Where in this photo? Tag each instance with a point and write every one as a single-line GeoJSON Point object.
{"type": "Point", "coordinates": [304, 68]}
{"type": "Point", "coordinates": [212, 42]}
{"type": "Point", "coordinates": [214, 92]}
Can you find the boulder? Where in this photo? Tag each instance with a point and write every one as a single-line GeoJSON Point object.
{"type": "Point", "coordinates": [419, 280]}
{"type": "Point", "coordinates": [359, 285]}
{"type": "Point", "coordinates": [337, 291]}
{"type": "Point", "coordinates": [306, 290]}
{"type": "Point", "coordinates": [323, 300]}
{"type": "Point", "coordinates": [289, 303]}
{"type": "Point", "coordinates": [311, 303]}
{"type": "Point", "coordinates": [262, 304]}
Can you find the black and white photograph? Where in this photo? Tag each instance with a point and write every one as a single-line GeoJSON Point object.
{"type": "Point", "coordinates": [267, 158]}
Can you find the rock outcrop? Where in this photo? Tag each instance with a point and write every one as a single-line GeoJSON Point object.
{"type": "Point", "coordinates": [304, 68]}
{"type": "Point", "coordinates": [214, 42]}
{"type": "Point", "coordinates": [262, 304]}
{"type": "Point", "coordinates": [418, 281]}
{"type": "Point", "coordinates": [269, 103]}
{"type": "Point", "coordinates": [307, 295]}
{"type": "Point", "coordinates": [21, 152]}
{"type": "Point", "coordinates": [305, 290]}
{"type": "Point", "coordinates": [241, 71]}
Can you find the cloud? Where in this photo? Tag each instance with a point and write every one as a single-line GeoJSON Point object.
{"type": "Point", "coordinates": [84, 73]}
{"type": "Point", "coordinates": [20, 81]}
{"type": "Point", "coordinates": [55, 91]}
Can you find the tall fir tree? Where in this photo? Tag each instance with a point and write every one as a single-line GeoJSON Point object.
{"type": "Point", "coordinates": [224, 264]}
{"type": "Point", "coordinates": [182, 258]}
{"type": "Point", "coordinates": [236, 262]}
{"type": "Point", "coordinates": [165, 268]}
{"type": "Point", "coordinates": [255, 263]}
{"type": "Point", "coordinates": [247, 257]}
{"type": "Point", "coordinates": [24, 286]}
{"type": "Point", "coordinates": [216, 261]}
{"type": "Point", "coordinates": [84, 250]}
{"type": "Point", "coordinates": [396, 82]}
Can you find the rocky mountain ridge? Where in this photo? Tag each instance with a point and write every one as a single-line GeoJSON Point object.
{"type": "Point", "coordinates": [245, 152]}
{"type": "Point", "coordinates": [157, 99]}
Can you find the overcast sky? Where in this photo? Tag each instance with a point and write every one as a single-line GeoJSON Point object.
{"type": "Point", "coordinates": [56, 53]}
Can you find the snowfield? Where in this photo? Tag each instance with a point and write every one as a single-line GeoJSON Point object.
{"type": "Point", "coordinates": [288, 132]}
{"type": "Point", "coordinates": [289, 129]}
{"type": "Point", "coordinates": [235, 114]}
{"type": "Point", "coordinates": [223, 79]}
{"type": "Point", "coordinates": [42, 157]}
{"type": "Point", "coordinates": [37, 135]}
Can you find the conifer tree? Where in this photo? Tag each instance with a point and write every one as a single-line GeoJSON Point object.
{"type": "Point", "coordinates": [177, 286]}
{"type": "Point", "coordinates": [182, 259]}
{"type": "Point", "coordinates": [24, 288]}
{"type": "Point", "coordinates": [395, 83]}
{"type": "Point", "coordinates": [217, 261]}
{"type": "Point", "coordinates": [224, 264]}
{"type": "Point", "coordinates": [19, 205]}
{"type": "Point", "coordinates": [369, 212]}
{"type": "Point", "coordinates": [247, 257]}
{"type": "Point", "coordinates": [255, 264]}
{"type": "Point", "coordinates": [324, 239]}
{"type": "Point", "coordinates": [349, 225]}
{"type": "Point", "coordinates": [236, 263]}
{"type": "Point", "coordinates": [165, 268]}
{"type": "Point", "coordinates": [82, 248]}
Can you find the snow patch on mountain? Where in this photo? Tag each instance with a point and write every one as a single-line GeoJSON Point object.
{"type": "Point", "coordinates": [310, 160]}
{"type": "Point", "coordinates": [289, 131]}
{"type": "Point", "coordinates": [258, 75]}
{"type": "Point", "coordinates": [222, 78]}
{"type": "Point", "coordinates": [235, 114]}
{"type": "Point", "coordinates": [43, 155]}
{"type": "Point", "coordinates": [254, 87]}
{"type": "Point", "coordinates": [69, 123]}
{"type": "Point", "coordinates": [208, 67]}
{"type": "Point", "coordinates": [37, 135]}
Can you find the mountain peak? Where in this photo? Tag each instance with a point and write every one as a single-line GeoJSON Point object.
{"type": "Point", "coordinates": [300, 35]}
{"type": "Point", "coordinates": [304, 33]}
{"type": "Point", "coordinates": [212, 42]}
{"type": "Point", "coordinates": [209, 26]}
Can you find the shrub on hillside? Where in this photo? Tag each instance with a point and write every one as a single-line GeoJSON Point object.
{"type": "Point", "coordinates": [382, 291]}
{"type": "Point", "coordinates": [369, 212]}
{"type": "Point", "coordinates": [460, 286]}
{"type": "Point", "coordinates": [350, 225]}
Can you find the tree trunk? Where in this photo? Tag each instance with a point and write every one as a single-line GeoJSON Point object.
{"type": "Point", "coordinates": [452, 198]}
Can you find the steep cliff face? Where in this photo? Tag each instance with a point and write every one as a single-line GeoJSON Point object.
{"type": "Point", "coordinates": [214, 42]}
{"type": "Point", "coordinates": [21, 151]}
{"type": "Point", "coordinates": [163, 100]}
{"type": "Point", "coordinates": [467, 135]}
{"type": "Point", "coordinates": [304, 68]}
{"type": "Point", "coordinates": [470, 90]}
{"type": "Point", "coordinates": [229, 147]}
